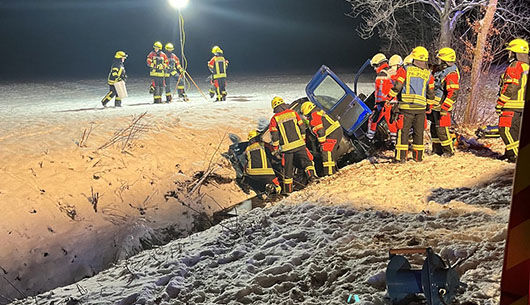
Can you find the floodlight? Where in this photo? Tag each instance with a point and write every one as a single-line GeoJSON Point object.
{"type": "Point", "coordinates": [178, 4]}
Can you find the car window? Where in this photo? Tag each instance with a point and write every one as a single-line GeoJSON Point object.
{"type": "Point", "coordinates": [329, 92]}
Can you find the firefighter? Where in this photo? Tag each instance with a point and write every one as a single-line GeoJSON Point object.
{"type": "Point", "coordinates": [416, 85]}
{"type": "Point", "coordinates": [171, 72]}
{"type": "Point", "coordinates": [288, 139]}
{"type": "Point", "coordinates": [217, 66]}
{"type": "Point", "coordinates": [158, 62]}
{"type": "Point", "coordinates": [510, 103]}
{"type": "Point", "coordinates": [116, 74]}
{"type": "Point", "coordinates": [259, 170]}
{"type": "Point", "coordinates": [395, 62]}
{"type": "Point", "coordinates": [328, 132]}
{"type": "Point", "coordinates": [407, 60]}
{"type": "Point", "coordinates": [382, 107]}
{"type": "Point", "coordinates": [446, 85]}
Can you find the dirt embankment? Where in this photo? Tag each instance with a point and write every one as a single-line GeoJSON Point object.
{"type": "Point", "coordinates": [76, 198]}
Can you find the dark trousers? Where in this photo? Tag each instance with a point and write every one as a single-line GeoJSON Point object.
{"type": "Point", "coordinates": [171, 81]}
{"type": "Point", "coordinates": [260, 182]}
{"type": "Point", "coordinates": [509, 128]}
{"type": "Point", "coordinates": [219, 88]}
{"type": "Point", "coordinates": [110, 95]}
{"type": "Point", "coordinates": [408, 119]}
{"type": "Point", "coordinates": [159, 88]}
{"type": "Point", "coordinates": [299, 157]}
{"type": "Point", "coordinates": [440, 135]}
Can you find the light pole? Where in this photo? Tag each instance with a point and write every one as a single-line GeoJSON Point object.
{"type": "Point", "coordinates": [179, 5]}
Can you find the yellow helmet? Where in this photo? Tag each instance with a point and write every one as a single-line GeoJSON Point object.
{"type": "Point", "coordinates": [276, 101]}
{"type": "Point", "coordinates": [408, 60]}
{"type": "Point", "coordinates": [120, 54]}
{"type": "Point", "coordinates": [446, 54]}
{"type": "Point", "coordinates": [216, 49]}
{"type": "Point", "coordinates": [252, 134]}
{"type": "Point", "coordinates": [169, 47]}
{"type": "Point", "coordinates": [420, 53]}
{"type": "Point", "coordinates": [395, 60]}
{"type": "Point", "coordinates": [377, 59]}
{"type": "Point", "coordinates": [158, 45]}
{"type": "Point", "coordinates": [518, 45]}
{"type": "Point", "coordinates": [307, 107]}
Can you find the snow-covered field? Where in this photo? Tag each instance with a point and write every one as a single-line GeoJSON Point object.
{"type": "Point", "coordinates": [316, 247]}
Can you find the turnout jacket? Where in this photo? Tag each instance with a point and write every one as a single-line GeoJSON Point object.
{"type": "Point", "coordinates": [287, 130]}
{"type": "Point", "coordinates": [322, 125]}
{"type": "Point", "coordinates": [416, 86]}
{"type": "Point", "coordinates": [158, 63]}
{"type": "Point", "coordinates": [117, 72]}
{"type": "Point", "coordinates": [513, 86]}
{"type": "Point", "coordinates": [258, 163]}
{"type": "Point", "coordinates": [217, 66]}
{"type": "Point", "coordinates": [446, 86]}
{"type": "Point", "coordinates": [173, 65]}
{"type": "Point", "coordinates": [383, 84]}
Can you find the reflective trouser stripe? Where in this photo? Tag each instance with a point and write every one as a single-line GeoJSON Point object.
{"type": "Point", "coordinates": [449, 141]}
{"type": "Point", "coordinates": [513, 146]}
{"type": "Point", "coordinates": [330, 163]}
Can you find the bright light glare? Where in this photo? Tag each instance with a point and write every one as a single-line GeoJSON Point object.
{"type": "Point", "coordinates": [178, 4]}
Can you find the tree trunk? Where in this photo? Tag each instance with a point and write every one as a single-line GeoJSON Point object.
{"type": "Point", "coordinates": [446, 30]}
{"type": "Point", "coordinates": [470, 115]}
{"type": "Point", "coordinates": [446, 34]}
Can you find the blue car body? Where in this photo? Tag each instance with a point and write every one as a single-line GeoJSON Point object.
{"type": "Point", "coordinates": [332, 95]}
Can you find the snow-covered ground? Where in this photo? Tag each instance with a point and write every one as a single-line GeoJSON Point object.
{"type": "Point", "coordinates": [302, 253]}
{"type": "Point", "coordinates": [318, 246]}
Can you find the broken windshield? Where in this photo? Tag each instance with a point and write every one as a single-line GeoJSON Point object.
{"type": "Point", "coordinates": [329, 92]}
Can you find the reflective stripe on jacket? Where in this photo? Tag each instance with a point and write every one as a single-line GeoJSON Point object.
{"type": "Point", "coordinates": [287, 130]}
{"type": "Point", "coordinates": [217, 66]}
{"type": "Point", "coordinates": [173, 66]}
{"type": "Point", "coordinates": [158, 63]}
{"type": "Point", "coordinates": [446, 86]}
{"type": "Point", "coordinates": [416, 86]}
{"type": "Point", "coordinates": [383, 84]}
{"type": "Point", "coordinates": [513, 86]}
{"type": "Point", "coordinates": [257, 160]}
{"type": "Point", "coordinates": [322, 125]}
{"type": "Point", "coordinates": [117, 72]}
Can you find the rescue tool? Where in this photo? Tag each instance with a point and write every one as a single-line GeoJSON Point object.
{"type": "Point", "coordinates": [437, 280]}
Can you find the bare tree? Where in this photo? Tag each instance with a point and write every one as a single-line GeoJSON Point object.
{"type": "Point", "coordinates": [387, 18]}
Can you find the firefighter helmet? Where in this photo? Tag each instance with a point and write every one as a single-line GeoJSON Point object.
{"type": "Point", "coordinates": [408, 60]}
{"type": "Point", "coordinates": [216, 49]}
{"type": "Point", "coordinates": [518, 45]}
{"type": "Point", "coordinates": [120, 54]}
{"type": "Point", "coordinates": [307, 107]}
{"type": "Point", "coordinates": [169, 47]}
{"type": "Point", "coordinates": [157, 45]}
{"type": "Point", "coordinates": [395, 60]}
{"type": "Point", "coordinates": [276, 101]}
{"type": "Point", "coordinates": [446, 54]}
{"type": "Point", "coordinates": [420, 53]}
{"type": "Point", "coordinates": [377, 59]}
{"type": "Point", "coordinates": [252, 134]}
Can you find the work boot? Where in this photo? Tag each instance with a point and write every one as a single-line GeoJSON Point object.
{"type": "Point", "coordinates": [117, 103]}
{"type": "Point", "coordinates": [212, 94]}
{"type": "Point", "coordinates": [169, 98]}
{"type": "Point", "coordinates": [151, 89]}
{"type": "Point", "coordinates": [104, 103]}
{"type": "Point", "coordinates": [158, 101]}
{"type": "Point", "coordinates": [447, 154]}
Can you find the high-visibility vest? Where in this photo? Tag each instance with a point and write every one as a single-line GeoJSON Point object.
{"type": "Point", "coordinates": [173, 65]}
{"type": "Point", "coordinates": [285, 130]}
{"type": "Point", "coordinates": [513, 85]}
{"type": "Point", "coordinates": [413, 94]}
{"type": "Point", "coordinates": [257, 160]}
{"type": "Point", "coordinates": [446, 83]}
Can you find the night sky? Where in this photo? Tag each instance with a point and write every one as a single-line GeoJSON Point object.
{"type": "Point", "coordinates": [43, 39]}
